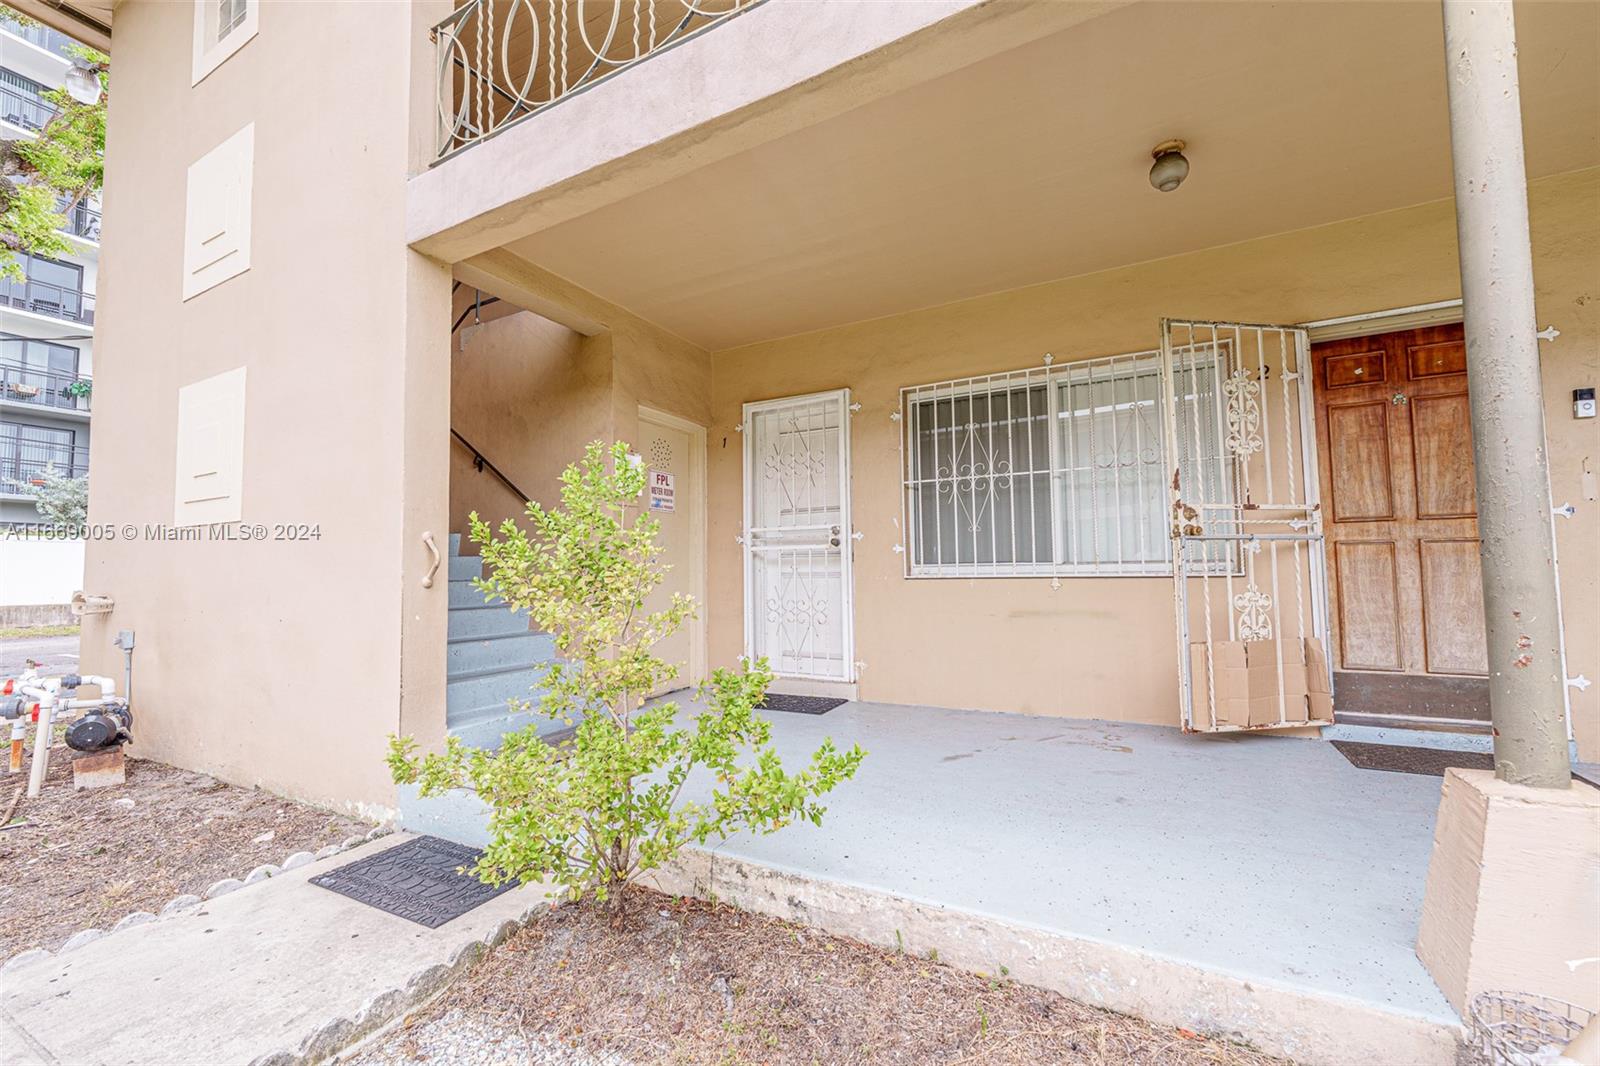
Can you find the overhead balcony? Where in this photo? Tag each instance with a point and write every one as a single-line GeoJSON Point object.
{"type": "Point", "coordinates": [49, 389]}
{"type": "Point", "coordinates": [500, 61]}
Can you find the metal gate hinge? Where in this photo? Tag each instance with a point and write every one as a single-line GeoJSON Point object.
{"type": "Point", "coordinates": [1566, 510]}
{"type": "Point", "coordinates": [1549, 333]}
{"type": "Point", "coordinates": [1580, 682]}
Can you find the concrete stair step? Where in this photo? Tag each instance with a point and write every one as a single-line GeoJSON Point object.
{"type": "Point", "coordinates": [466, 695]}
{"type": "Point", "coordinates": [465, 567]}
{"type": "Point", "coordinates": [516, 651]}
{"type": "Point", "coordinates": [466, 594]}
{"type": "Point", "coordinates": [488, 732]}
{"type": "Point", "coordinates": [485, 620]}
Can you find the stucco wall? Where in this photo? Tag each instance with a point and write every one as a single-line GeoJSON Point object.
{"type": "Point", "coordinates": [276, 663]}
{"type": "Point", "coordinates": [1104, 647]}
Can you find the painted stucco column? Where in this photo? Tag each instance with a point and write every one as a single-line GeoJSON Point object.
{"type": "Point", "coordinates": [1519, 585]}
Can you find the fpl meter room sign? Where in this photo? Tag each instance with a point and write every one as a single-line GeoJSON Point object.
{"type": "Point", "coordinates": [662, 493]}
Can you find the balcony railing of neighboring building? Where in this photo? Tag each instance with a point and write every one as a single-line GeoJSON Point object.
{"type": "Point", "coordinates": [499, 61]}
{"type": "Point", "coordinates": [24, 461]}
{"type": "Point", "coordinates": [82, 221]}
{"type": "Point", "coordinates": [24, 109]}
{"type": "Point", "coordinates": [42, 298]}
{"type": "Point", "coordinates": [44, 388]}
{"type": "Point", "coordinates": [43, 36]}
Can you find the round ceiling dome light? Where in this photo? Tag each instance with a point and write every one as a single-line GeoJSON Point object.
{"type": "Point", "coordinates": [1170, 167]}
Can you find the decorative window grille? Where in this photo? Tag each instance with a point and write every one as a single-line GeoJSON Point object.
{"type": "Point", "coordinates": [1056, 470]}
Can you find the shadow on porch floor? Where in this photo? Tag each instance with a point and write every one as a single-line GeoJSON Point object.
{"type": "Point", "coordinates": [1271, 858]}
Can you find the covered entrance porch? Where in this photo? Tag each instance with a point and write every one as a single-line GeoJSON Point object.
{"type": "Point", "coordinates": [1259, 887]}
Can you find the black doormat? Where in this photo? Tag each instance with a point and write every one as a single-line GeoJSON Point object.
{"type": "Point", "coordinates": [1404, 760]}
{"type": "Point", "coordinates": [778, 701]}
{"type": "Point", "coordinates": [416, 880]}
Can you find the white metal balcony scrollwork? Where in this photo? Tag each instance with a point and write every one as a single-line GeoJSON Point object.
{"type": "Point", "coordinates": [499, 61]}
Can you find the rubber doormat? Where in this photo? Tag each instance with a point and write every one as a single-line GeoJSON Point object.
{"type": "Point", "coordinates": [1403, 760]}
{"type": "Point", "coordinates": [416, 880]}
{"type": "Point", "coordinates": [777, 701]}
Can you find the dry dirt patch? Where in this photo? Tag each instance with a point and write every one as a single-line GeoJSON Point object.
{"type": "Point", "coordinates": [86, 859]}
{"type": "Point", "coordinates": [682, 981]}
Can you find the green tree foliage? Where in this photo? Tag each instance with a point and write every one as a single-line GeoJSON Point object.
{"type": "Point", "coordinates": [60, 500]}
{"type": "Point", "coordinates": [63, 163]}
{"type": "Point", "coordinates": [595, 813]}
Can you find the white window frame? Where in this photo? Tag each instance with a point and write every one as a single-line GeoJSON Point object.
{"type": "Point", "coordinates": [210, 50]}
{"type": "Point", "coordinates": [1051, 376]}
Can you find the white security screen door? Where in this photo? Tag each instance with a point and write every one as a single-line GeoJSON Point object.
{"type": "Point", "coordinates": [797, 536]}
{"type": "Point", "coordinates": [1248, 568]}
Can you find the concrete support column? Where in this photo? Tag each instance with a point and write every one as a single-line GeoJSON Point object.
{"type": "Point", "coordinates": [1519, 585]}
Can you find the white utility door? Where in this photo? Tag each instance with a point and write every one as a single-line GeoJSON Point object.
{"type": "Point", "coordinates": [798, 609]}
{"type": "Point", "coordinates": [1249, 582]}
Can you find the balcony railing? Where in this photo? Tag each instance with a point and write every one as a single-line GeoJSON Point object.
{"type": "Point", "coordinates": [43, 36]}
{"type": "Point", "coordinates": [82, 221]}
{"type": "Point", "coordinates": [499, 61]}
{"type": "Point", "coordinates": [25, 110]}
{"type": "Point", "coordinates": [45, 388]}
{"type": "Point", "coordinates": [42, 298]}
{"type": "Point", "coordinates": [24, 462]}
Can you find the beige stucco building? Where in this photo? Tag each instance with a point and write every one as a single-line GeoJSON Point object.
{"type": "Point", "coordinates": [886, 291]}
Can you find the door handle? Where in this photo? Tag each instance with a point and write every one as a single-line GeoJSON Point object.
{"type": "Point", "coordinates": [433, 567]}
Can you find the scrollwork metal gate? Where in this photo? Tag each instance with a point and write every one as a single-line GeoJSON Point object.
{"type": "Point", "coordinates": [1249, 577]}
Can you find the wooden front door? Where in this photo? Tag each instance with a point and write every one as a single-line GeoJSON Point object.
{"type": "Point", "coordinates": [1400, 513]}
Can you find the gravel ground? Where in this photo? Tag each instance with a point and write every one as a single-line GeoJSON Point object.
{"type": "Point", "coordinates": [461, 1038]}
{"type": "Point", "coordinates": [78, 860]}
{"type": "Point", "coordinates": [686, 982]}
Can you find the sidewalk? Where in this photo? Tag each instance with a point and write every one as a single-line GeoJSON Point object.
{"type": "Point", "coordinates": [278, 972]}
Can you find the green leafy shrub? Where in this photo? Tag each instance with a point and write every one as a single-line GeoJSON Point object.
{"type": "Point", "coordinates": [595, 813]}
{"type": "Point", "coordinates": [60, 499]}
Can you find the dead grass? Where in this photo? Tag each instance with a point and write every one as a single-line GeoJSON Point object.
{"type": "Point", "coordinates": [686, 982]}
{"type": "Point", "coordinates": [78, 860]}
{"type": "Point", "coordinates": [10, 632]}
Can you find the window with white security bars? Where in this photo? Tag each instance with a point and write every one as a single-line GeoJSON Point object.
{"type": "Point", "coordinates": [1056, 470]}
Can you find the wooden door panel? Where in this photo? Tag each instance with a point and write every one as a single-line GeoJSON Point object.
{"type": "Point", "coordinates": [1358, 453]}
{"type": "Point", "coordinates": [1441, 440]}
{"type": "Point", "coordinates": [1436, 360]}
{"type": "Point", "coordinates": [1452, 607]}
{"type": "Point", "coordinates": [1368, 604]}
{"type": "Point", "coordinates": [1353, 368]}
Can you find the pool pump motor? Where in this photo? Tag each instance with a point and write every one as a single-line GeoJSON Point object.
{"type": "Point", "coordinates": [101, 728]}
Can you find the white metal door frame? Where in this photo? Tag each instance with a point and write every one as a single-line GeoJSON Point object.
{"type": "Point", "coordinates": [750, 533]}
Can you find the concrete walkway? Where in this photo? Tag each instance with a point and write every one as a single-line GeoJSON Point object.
{"type": "Point", "coordinates": [278, 972]}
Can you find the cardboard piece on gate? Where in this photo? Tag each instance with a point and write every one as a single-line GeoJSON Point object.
{"type": "Point", "coordinates": [1260, 683]}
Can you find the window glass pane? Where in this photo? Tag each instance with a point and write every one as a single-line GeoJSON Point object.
{"type": "Point", "coordinates": [980, 478]}
{"type": "Point", "coordinates": [1113, 502]}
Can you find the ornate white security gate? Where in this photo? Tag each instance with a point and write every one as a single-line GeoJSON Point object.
{"type": "Point", "coordinates": [797, 536]}
{"type": "Point", "coordinates": [1249, 573]}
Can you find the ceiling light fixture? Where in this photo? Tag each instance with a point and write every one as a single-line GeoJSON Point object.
{"type": "Point", "coordinates": [1170, 167]}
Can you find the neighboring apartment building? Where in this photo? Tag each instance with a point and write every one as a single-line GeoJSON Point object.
{"type": "Point", "coordinates": [46, 318]}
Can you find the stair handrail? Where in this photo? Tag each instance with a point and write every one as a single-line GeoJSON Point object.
{"type": "Point", "coordinates": [481, 462]}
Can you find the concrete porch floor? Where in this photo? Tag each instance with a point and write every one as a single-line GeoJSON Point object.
{"type": "Point", "coordinates": [1268, 858]}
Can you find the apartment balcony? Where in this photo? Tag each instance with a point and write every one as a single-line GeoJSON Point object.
{"type": "Point", "coordinates": [42, 36]}
{"type": "Point", "coordinates": [500, 61]}
{"type": "Point", "coordinates": [24, 109]}
{"type": "Point", "coordinates": [48, 389]}
{"type": "Point", "coordinates": [42, 298]}
{"type": "Point", "coordinates": [82, 221]}
{"type": "Point", "coordinates": [24, 462]}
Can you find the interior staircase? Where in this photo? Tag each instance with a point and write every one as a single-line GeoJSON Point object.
{"type": "Point", "coordinates": [493, 657]}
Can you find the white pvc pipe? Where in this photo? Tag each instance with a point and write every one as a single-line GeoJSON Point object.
{"type": "Point", "coordinates": [41, 748]}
